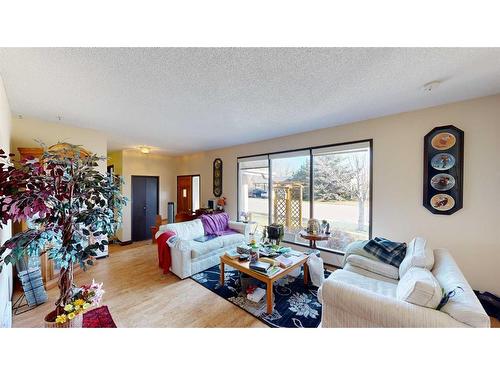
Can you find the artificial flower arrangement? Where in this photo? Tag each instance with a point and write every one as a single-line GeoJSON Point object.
{"type": "Point", "coordinates": [221, 202]}
{"type": "Point", "coordinates": [85, 297]}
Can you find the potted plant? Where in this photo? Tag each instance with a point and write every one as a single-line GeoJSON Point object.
{"type": "Point", "coordinates": [72, 208]}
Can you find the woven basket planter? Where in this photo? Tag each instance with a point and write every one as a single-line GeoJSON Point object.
{"type": "Point", "coordinates": [50, 318]}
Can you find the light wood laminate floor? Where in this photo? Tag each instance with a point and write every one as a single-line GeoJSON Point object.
{"type": "Point", "coordinates": [139, 295]}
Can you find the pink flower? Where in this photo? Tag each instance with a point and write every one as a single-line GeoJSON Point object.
{"type": "Point", "coordinates": [97, 291]}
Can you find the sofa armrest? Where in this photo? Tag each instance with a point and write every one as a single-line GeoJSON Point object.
{"type": "Point", "coordinates": [240, 227]}
{"type": "Point", "coordinates": [346, 305]}
{"type": "Point", "coordinates": [183, 246]}
{"type": "Point", "coordinates": [373, 266]}
{"type": "Point", "coordinates": [181, 258]}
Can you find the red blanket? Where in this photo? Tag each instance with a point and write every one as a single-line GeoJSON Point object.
{"type": "Point", "coordinates": [164, 257]}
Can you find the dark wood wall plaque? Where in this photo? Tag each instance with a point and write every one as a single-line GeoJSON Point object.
{"type": "Point", "coordinates": [217, 177]}
{"type": "Point", "coordinates": [443, 170]}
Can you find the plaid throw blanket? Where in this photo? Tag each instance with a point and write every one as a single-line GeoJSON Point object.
{"type": "Point", "coordinates": [387, 251]}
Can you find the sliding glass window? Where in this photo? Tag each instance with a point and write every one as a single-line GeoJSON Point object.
{"type": "Point", "coordinates": [341, 191]}
{"type": "Point", "coordinates": [290, 193]}
{"type": "Point", "coordinates": [253, 193]}
{"type": "Point", "coordinates": [331, 184]}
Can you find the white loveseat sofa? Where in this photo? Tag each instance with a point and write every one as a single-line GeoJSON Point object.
{"type": "Point", "coordinates": [365, 293]}
{"type": "Point", "coordinates": [190, 257]}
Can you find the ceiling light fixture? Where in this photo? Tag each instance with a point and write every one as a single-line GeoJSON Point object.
{"type": "Point", "coordinates": [145, 150]}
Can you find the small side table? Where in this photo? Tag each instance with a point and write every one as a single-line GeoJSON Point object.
{"type": "Point", "coordinates": [314, 237]}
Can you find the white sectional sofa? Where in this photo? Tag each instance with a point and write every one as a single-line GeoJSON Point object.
{"type": "Point", "coordinates": [369, 293]}
{"type": "Point", "coordinates": [190, 257]}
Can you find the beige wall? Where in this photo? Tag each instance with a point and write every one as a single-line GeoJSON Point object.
{"type": "Point", "coordinates": [115, 158]}
{"type": "Point", "coordinates": [134, 163]}
{"type": "Point", "coordinates": [26, 131]}
{"type": "Point", "coordinates": [470, 233]}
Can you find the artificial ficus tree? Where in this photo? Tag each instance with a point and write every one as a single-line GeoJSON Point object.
{"type": "Point", "coordinates": [70, 206]}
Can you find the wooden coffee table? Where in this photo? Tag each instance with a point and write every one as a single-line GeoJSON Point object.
{"type": "Point", "coordinates": [269, 280]}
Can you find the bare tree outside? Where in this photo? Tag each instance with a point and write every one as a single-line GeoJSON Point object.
{"type": "Point", "coordinates": [340, 177]}
{"type": "Point", "coordinates": [359, 184]}
{"type": "Point", "coordinates": [332, 178]}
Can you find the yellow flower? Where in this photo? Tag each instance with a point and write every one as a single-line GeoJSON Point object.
{"type": "Point", "coordinates": [61, 319]}
{"type": "Point", "coordinates": [77, 308]}
{"type": "Point", "coordinates": [71, 316]}
{"type": "Point", "coordinates": [79, 302]}
{"type": "Point", "coordinates": [68, 307]}
{"type": "Point", "coordinates": [86, 305]}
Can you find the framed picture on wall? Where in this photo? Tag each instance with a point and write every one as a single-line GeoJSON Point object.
{"type": "Point", "coordinates": [443, 170]}
{"type": "Point", "coordinates": [217, 187]}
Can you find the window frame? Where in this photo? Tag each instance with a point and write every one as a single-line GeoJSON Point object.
{"type": "Point", "coordinates": [311, 184]}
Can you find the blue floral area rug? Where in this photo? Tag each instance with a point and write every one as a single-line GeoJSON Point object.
{"type": "Point", "coordinates": [295, 304]}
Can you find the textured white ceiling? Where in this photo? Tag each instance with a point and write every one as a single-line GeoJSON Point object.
{"type": "Point", "coordinates": [189, 99]}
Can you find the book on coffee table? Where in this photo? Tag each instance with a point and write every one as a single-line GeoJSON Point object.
{"type": "Point", "coordinates": [271, 261]}
{"type": "Point", "coordinates": [273, 270]}
{"type": "Point", "coordinates": [294, 253]}
{"type": "Point", "coordinates": [259, 266]}
{"type": "Point", "coordinates": [284, 261]}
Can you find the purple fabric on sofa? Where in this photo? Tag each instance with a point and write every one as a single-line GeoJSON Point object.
{"type": "Point", "coordinates": [217, 224]}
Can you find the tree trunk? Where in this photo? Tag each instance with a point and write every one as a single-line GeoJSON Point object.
{"type": "Point", "coordinates": [361, 214]}
{"type": "Point", "coordinates": [65, 282]}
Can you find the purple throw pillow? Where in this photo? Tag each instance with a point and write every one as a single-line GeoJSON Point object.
{"type": "Point", "coordinates": [215, 224]}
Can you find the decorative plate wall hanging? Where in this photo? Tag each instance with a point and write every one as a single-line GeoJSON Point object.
{"type": "Point", "coordinates": [217, 177]}
{"type": "Point", "coordinates": [443, 170]}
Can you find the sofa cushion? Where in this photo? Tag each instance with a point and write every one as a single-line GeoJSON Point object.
{"type": "Point", "coordinates": [228, 232]}
{"type": "Point", "coordinates": [374, 266]}
{"type": "Point", "coordinates": [464, 306]}
{"type": "Point", "coordinates": [417, 255]}
{"type": "Point", "coordinates": [187, 230]}
{"type": "Point", "coordinates": [199, 249]}
{"type": "Point", "coordinates": [358, 248]}
{"type": "Point", "coordinates": [349, 267]}
{"type": "Point", "coordinates": [420, 287]}
{"type": "Point", "coordinates": [232, 239]}
{"type": "Point", "coordinates": [367, 283]}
